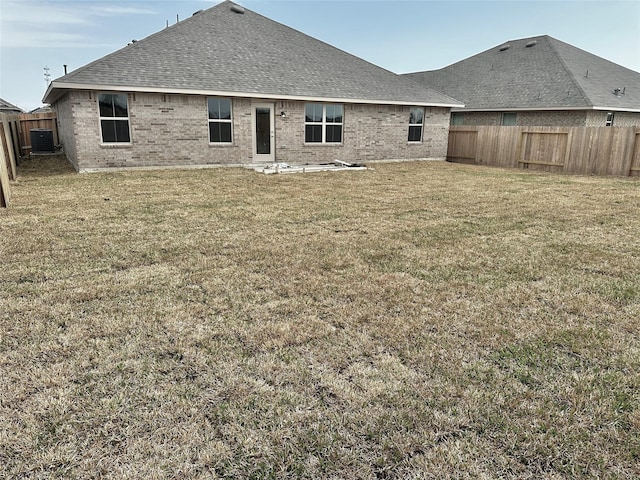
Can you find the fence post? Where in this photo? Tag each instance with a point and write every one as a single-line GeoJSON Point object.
{"type": "Point", "coordinates": [634, 168]}
{"type": "Point", "coordinates": [9, 143]}
{"type": "Point", "coordinates": [4, 179]}
{"type": "Point", "coordinates": [17, 151]}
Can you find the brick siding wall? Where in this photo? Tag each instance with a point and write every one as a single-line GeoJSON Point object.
{"type": "Point", "coordinates": [65, 123]}
{"type": "Point", "coordinates": [626, 119]}
{"type": "Point", "coordinates": [598, 118]}
{"type": "Point", "coordinates": [573, 118]}
{"type": "Point", "coordinates": [370, 133]}
{"type": "Point", "coordinates": [570, 118]}
{"type": "Point", "coordinates": [172, 130]}
{"type": "Point", "coordinates": [481, 118]}
{"type": "Point", "coordinates": [534, 118]}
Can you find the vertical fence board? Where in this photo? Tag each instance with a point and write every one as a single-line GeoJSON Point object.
{"type": "Point", "coordinates": [511, 147]}
{"type": "Point", "coordinates": [4, 174]}
{"type": "Point", "coordinates": [8, 146]}
{"type": "Point", "coordinates": [621, 151]}
{"type": "Point", "coordinates": [462, 145]}
{"type": "Point", "coordinates": [603, 144]}
{"type": "Point", "coordinates": [15, 127]}
{"type": "Point", "coordinates": [635, 158]}
{"type": "Point", "coordinates": [588, 162]}
{"type": "Point", "coordinates": [498, 145]}
{"type": "Point", "coordinates": [578, 150]}
{"type": "Point", "coordinates": [487, 144]}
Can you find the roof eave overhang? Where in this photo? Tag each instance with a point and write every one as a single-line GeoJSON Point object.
{"type": "Point", "coordinates": [57, 89]}
{"type": "Point", "coordinates": [48, 93]}
{"type": "Point", "coordinates": [546, 109]}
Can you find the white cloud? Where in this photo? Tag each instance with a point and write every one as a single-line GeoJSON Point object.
{"type": "Point", "coordinates": [119, 10]}
{"type": "Point", "coordinates": [37, 23]}
{"type": "Point", "coordinates": [22, 39]}
{"type": "Point", "coordinates": [28, 13]}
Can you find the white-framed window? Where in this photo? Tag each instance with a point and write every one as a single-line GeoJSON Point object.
{"type": "Point", "coordinates": [609, 121]}
{"type": "Point", "coordinates": [416, 119]}
{"type": "Point", "coordinates": [323, 123]}
{"type": "Point", "coordinates": [114, 117]}
{"type": "Point", "coordinates": [220, 123]}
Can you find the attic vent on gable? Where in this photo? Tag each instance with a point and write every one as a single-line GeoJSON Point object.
{"type": "Point", "coordinates": [237, 9]}
{"type": "Point", "coordinates": [531, 43]}
{"type": "Point", "coordinates": [504, 47]}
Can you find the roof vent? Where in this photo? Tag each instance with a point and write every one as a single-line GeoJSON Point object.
{"type": "Point", "coordinates": [617, 92]}
{"type": "Point", "coordinates": [504, 47]}
{"type": "Point", "coordinates": [237, 9]}
{"type": "Point", "coordinates": [531, 43]}
{"type": "Point", "coordinates": [195, 13]}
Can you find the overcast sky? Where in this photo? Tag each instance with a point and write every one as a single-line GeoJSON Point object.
{"type": "Point", "coordinates": [401, 36]}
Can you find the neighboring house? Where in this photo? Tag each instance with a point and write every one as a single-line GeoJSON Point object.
{"type": "Point", "coordinates": [41, 109]}
{"type": "Point", "coordinates": [538, 81]}
{"type": "Point", "coordinates": [229, 86]}
{"type": "Point", "coordinates": [6, 107]}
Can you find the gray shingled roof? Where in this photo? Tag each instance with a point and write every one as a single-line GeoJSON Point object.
{"type": "Point", "coordinates": [9, 107]}
{"type": "Point", "coordinates": [218, 50]}
{"type": "Point", "coordinates": [548, 74]}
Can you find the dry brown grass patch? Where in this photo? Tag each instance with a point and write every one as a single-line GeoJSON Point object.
{"type": "Point", "coordinates": [416, 320]}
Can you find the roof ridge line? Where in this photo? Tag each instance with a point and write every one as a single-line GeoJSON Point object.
{"type": "Point", "coordinates": [585, 97]}
{"type": "Point", "coordinates": [398, 76]}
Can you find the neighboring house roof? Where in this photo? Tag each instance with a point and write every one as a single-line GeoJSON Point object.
{"type": "Point", "coordinates": [229, 50]}
{"type": "Point", "coordinates": [6, 107]}
{"type": "Point", "coordinates": [538, 73]}
{"type": "Point", "coordinates": [41, 109]}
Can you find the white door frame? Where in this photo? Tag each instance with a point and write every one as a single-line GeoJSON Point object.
{"type": "Point", "coordinates": [263, 157]}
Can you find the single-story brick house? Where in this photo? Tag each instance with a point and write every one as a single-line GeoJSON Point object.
{"type": "Point", "coordinates": [538, 81]}
{"type": "Point", "coordinates": [228, 86]}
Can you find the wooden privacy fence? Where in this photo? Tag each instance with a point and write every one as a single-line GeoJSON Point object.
{"type": "Point", "coordinates": [15, 142]}
{"type": "Point", "coordinates": [9, 145]}
{"type": "Point", "coordinates": [578, 150]}
{"type": "Point", "coordinates": [29, 121]}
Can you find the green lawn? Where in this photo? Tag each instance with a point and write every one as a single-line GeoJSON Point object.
{"type": "Point", "coordinates": [415, 320]}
